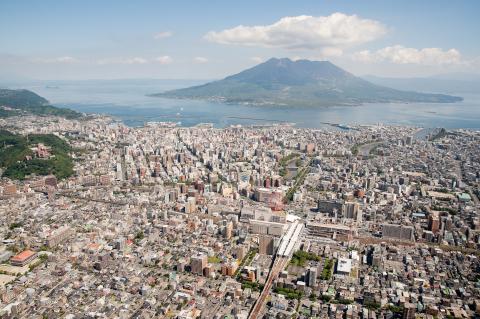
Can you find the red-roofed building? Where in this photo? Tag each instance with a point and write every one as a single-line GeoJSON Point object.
{"type": "Point", "coordinates": [93, 248]}
{"type": "Point", "coordinates": [23, 258]}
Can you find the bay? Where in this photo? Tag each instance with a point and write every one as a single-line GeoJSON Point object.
{"type": "Point", "coordinates": [128, 101]}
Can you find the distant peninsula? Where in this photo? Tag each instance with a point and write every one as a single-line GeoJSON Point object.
{"type": "Point", "coordinates": [18, 102]}
{"type": "Point", "coordinates": [283, 82]}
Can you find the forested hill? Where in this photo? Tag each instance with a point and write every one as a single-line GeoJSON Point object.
{"type": "Point", "coordinates": [18, 102]}
{"type": "Point", "coordinates": [18, 160]}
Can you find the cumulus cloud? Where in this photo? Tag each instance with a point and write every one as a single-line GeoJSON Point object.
{"type": "Point", "coordinates": [164, 59]}
{"type": "Point", "coordinates": [200, 59]}
{"type": "Point", "coordinates": [135, 60]}
{"type": "Point", "coordinates": [331, 33]}
{"type": "Point", "coordinates": [162, 35]}
{"type": "Point", "coordinates": [401, 55]}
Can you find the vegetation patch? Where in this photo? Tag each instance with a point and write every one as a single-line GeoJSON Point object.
{"type": "Point", "coordinates": [299, 180]}
{"type": "Point", "coordinates": [300, 258]}
{"type": "Point", "coordinates": [451, 211]}
{"type": "Point", "coordinates": [372, 305]}
{"type": "Point", "coordinates": [214, 259]}
{"type": "Point", "coordinates": [254, 286]}
{"type": "Point", "coordinates": [288, 293]}
{"type": "Point", "coordinates": [19, 160]}
{"type": "Point", "coordinates": [245, 262]}
{"type": "Point", "coordinates": [327, 269]}
{"type": "Point", "coordinates": [284, 162]}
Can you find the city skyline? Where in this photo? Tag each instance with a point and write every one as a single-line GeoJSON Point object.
{"type": "Point", "coordinates": [239, 160]}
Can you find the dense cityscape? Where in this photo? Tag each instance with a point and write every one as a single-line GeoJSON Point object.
{"type": "Point", "coordinates": [270, 221]}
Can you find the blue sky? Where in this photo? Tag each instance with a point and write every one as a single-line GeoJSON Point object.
{"type": "Point", "coordinates": [211, 39]}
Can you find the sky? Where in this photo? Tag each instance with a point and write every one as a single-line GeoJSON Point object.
{"type": "Point", "coordinates": [196, 39]}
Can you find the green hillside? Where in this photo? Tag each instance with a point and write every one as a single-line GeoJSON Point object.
{"type": "Point", "coordinates": [15, 148]}
{"type": "Point", "coordinates": [25, 101]}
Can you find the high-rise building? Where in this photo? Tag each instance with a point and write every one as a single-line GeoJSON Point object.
{"type": "Point", "coordinates": [312, 277]}
{"type": "Point", "coordinates": [351, 211]}
{"type": "Point", "coordinates": [191, 205]}
{"type": "Point", "coordinates": [228, 230]}
{"type": "Point", "coordinates": [119, 172]}
{"type": "Point", "coordinates": [434, 223]}
{"type": "Point", "coordinates": [266, 245]}
{"type": "Point", "coordinates": [207, 271]}
{"type": "Point", "coordinates": [198, 263]}
{"type": "Point", "coordinates": [408, 141]}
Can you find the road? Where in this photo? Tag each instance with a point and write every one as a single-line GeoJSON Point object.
{"type": "Point", "coordinates": [299, 178]}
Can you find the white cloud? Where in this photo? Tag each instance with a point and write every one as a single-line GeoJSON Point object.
{"type": "Point", "coordinates": [200, 59]}
{"type": "Point", "coordinates": [256, 59]}
{"type": "Point", "coordinates": [62, 59]}
{"type": "Point", "coordinates": [331, 33]}
{"type": "Point", "coordinates": [164, 59]}
{"type": "Point", "coordinates": [66, 59]}
{"type": "Point", "coordinates": [162, 35]}
{"type": "Point", "coordinates": [401, 55]}
{"type": "Point", "coordinates": [135, 60]}
{"type": "Point", "coordinates": [331, 52]}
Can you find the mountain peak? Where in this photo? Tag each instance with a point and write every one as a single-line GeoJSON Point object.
{"type": "Point", "coordinates": [281, 81]}
{"type": "Point", "coordinates": [278, 61]}
{"type": "Point", "coordinates": [288, 72]}
{"type": "Point", "coordinates": [288, 61]}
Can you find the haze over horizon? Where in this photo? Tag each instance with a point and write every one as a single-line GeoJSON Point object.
{"type": "Point", "coordinates": [205, 40]}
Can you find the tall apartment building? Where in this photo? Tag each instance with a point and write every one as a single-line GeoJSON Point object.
{"type": "Point", "coordinates": [434, 223]}
{"type": "Point", "coordinates": [312, 277]}
{"type": "Point", "coordinates": [198, 263]}
{"type": "Point", "coordinates": [228, 230]}
{"type": "Point", "coordinates": [266, 245]}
